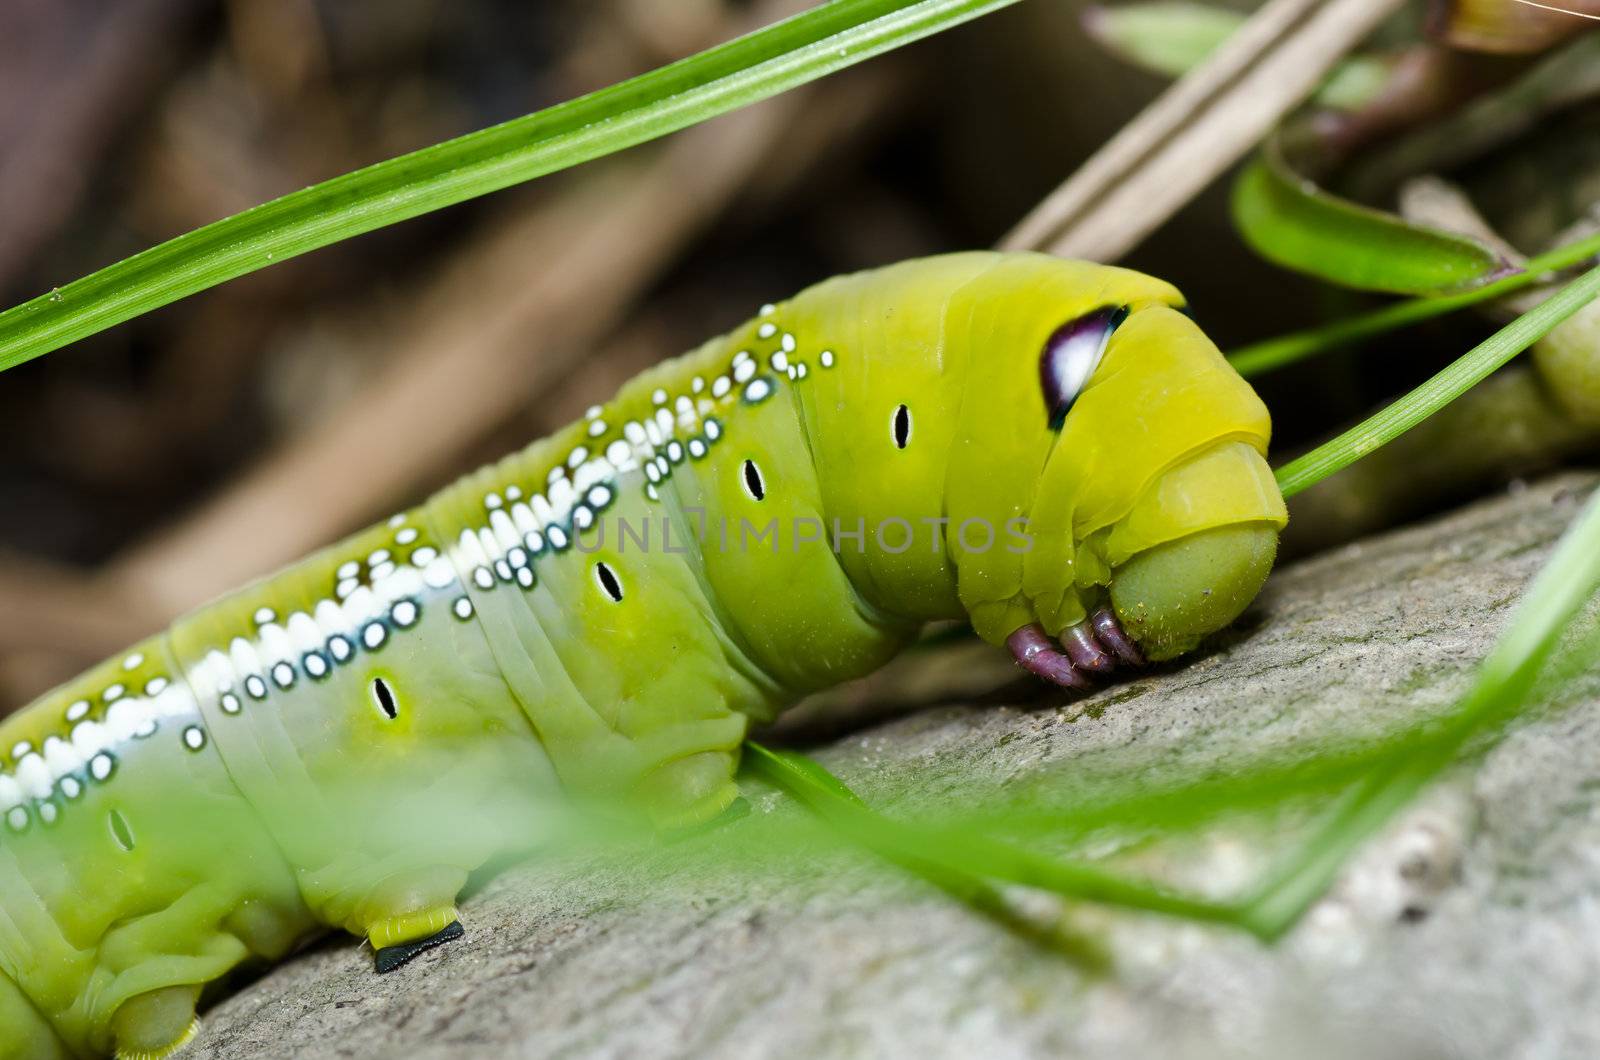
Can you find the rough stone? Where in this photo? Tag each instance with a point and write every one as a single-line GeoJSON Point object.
{"type": "Point", "coordinates": [1471, 929]}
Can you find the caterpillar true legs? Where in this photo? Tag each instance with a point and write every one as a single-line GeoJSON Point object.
{"type": "Point", "coordinates": [1047, 449]}
{"type": "Point", "coordinates": [1162, 602]}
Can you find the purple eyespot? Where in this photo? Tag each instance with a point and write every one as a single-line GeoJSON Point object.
{"type": "Point", "coordinates": [1071, 355]}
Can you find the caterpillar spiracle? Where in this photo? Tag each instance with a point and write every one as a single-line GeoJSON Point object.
{"type": "Point", "coordinates": [1048, 449]}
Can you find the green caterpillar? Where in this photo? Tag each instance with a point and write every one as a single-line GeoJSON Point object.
{"type": "Point", "coordinates": [1049, 449]}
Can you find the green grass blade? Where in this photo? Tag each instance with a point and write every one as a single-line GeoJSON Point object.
{"type": "Point", "coordinates": [953, 854]}
{"type": "Point", "coordinates": [1313, 867]}
{"type": "Point", "coordinates": [823, 793]}
{"type": "Point", "coordinates": [813, 44]}
{"type": "Point", "coordinates": [1563, 587]}
{"type": "Point", "coordinates": [1261, 357]}
{"type": "Point", "coordinates": [1505, 680]}
{"type": "Point", "coordinates": [1466, 372]}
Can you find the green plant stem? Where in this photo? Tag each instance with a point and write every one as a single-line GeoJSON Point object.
{"type": "Point", "coordinates": [1449, 384]}
{"type": "Point", "coordinates": [1563, 587]}
{"type": "Point", "coordinates": [1264, 356]}
{"type": "Point", "coordinates": [959, 854]}
{"type": "Point", "coordinates": [1311, 869]}
{"type": "Point", "coordinates": [787, 54]}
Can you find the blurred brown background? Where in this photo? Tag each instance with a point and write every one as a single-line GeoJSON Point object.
{"type": "Point", "coordinates": [152, 466]}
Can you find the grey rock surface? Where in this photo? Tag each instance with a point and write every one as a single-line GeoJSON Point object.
{"type": "Point", "coordinates": [1470, 929]}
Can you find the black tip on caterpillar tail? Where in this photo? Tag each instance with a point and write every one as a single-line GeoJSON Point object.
{"type": "Point", "coordinates": [391, 957]}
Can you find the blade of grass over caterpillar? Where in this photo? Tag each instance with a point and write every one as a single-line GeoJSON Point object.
{"type": "Point", "coordinates": [967, 856]}
{"type": "Point", "coordinates": [1560, 591]}
{"type": "Point", "coordinates": [819, 790]}
{"type": "Point", "coordinates": [818, 42]}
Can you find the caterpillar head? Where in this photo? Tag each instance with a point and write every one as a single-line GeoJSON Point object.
{"type": "Point", "coordinates": [1158, 478]}
{"type": "Point", "coordinates": [1154, 510]}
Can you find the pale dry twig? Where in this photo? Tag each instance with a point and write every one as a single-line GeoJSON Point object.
{"type": "Point", "coordinates": [1197, 128]}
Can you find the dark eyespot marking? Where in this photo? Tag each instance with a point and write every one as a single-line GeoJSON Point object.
{"type": "Point", "coordinates": [608, 581]}
{"type": "Point", "coordinates": [1071, 355]}
{"type": "Point", "coordinates": [121, 832]}
{"type": "Point", "coordinates": [902, 427]}
{"type": "Point", "coordinates": [752, 481]}
{"type": "Point", "coordinates": [383, 695]}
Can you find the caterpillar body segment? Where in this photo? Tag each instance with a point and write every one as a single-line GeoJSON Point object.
{"type": "Point", "coordinates": [129, 861]}
{"type": "Point", "coordinates": [27, 1032]}
{"type": "Point", "coordinates": [1046, 448]}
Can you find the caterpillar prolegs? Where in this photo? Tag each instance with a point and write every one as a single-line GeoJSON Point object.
{"type": "Point", "coordinates": [1048, 449]}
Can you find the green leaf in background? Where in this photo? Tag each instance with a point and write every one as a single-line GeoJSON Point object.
{"type": "Point", "coordinates": [1355, 82]}
{"type": "Point", "coordinates": [1171, 37]}
{"type": "Point", "coordinates": [1290, 221]}
{"type": "Point", "coordinates": [1165, 37]}
{"type": "Point", "coordinates": [813, 44]}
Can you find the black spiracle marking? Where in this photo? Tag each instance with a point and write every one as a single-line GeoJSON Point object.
{"type": "Point", "coordinates": [608, 581]}
{"type": "Point", "coordinates": [383, 695]}
{"type": "Point", "coordinates": [753, 482]}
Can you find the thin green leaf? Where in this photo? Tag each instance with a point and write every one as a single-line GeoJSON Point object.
{"type": "Point", "coordinates": [1288, 220]}
{"type": "Point", "coordinates": [953, 853]}
{"type": "Point", "coordinates": [1462, 375]}
{"type": "Point", "coordinates": [1264, 356]}
{"type": "Point", "coordinates": [782, 56]}
{"type": "Point", "coordinates": [826, 795]}
{"type": "Point", "coordinates": [808, 779]}
{"type": "Point", "coordinates": [1505, 680]}
{"type": "Point", "coordinates": [1355, 82]}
